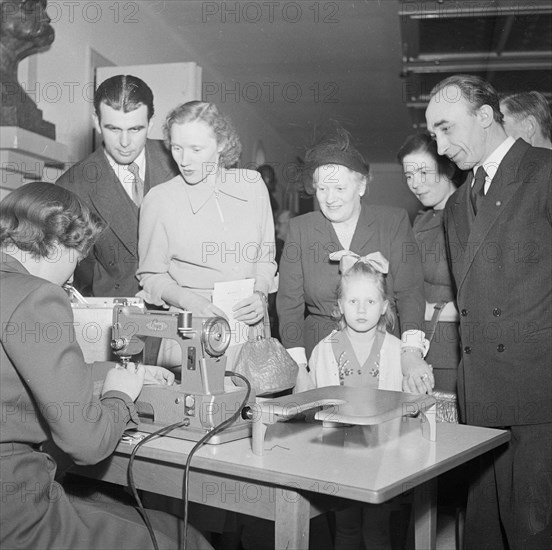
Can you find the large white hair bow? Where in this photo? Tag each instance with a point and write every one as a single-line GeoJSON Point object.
{"type": "Point", "coordinates": [348, 259]}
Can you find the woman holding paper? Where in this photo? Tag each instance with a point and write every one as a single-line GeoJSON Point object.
{"type": "Point", "coordinates": [211, 224]}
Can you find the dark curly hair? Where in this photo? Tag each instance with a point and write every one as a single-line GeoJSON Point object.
{"type": "Point", "coordinates": [221, 125]}
{"type": "Point", "coordinates": [38, 216]}
{"type": "Point", "coordinates": [424, 143]}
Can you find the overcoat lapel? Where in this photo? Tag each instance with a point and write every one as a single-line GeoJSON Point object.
{"type": "Point", "coordinates": [364, 231]}
{"type": "Point", "coordinates": [503, 187]}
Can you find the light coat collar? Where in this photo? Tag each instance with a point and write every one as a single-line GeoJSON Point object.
{"type": "Point", "coordinates": [227, 184]}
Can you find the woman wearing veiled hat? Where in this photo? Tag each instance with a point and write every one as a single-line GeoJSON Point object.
{"type": "Point", "coordinates": [308, 279]}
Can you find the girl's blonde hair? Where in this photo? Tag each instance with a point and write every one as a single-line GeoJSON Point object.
{"type": "Point", "coordinates": [387, 319]}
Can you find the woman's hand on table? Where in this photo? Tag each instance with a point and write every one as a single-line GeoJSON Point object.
{"type": "Point", "coordinates": [128, 380]}
{"type": "Point", "coordinates": [417, 374]}
{"type": "Point", "coordinates": [250, 310]}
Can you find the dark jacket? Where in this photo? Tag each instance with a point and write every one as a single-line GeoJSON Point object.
{"type": "Point", "coordinates": [110, 269]}
{"type": "Point", "coordinates": [47, 395]}
{"type": "Point", "coordinates": [502, 264]}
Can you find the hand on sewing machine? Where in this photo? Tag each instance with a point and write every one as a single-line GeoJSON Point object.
{"type": "Point", "coordinates": [158, 376]}
{"type": "Point", "coordinates": [128, 380]}
{"type": "Point", "coordinates": [250, 310]}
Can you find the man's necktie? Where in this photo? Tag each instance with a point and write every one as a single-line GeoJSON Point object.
{"type": "Point", "coordinates": [478, 189]}
{"type": "Point", "coordinates": [137, 185]}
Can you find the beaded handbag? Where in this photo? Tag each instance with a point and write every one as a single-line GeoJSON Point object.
{"type": "Point", "coordinates": [447, 402]}
{"type": "Point", "coordinates": [265, 362]}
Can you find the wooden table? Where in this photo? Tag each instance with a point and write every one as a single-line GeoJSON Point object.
{"type": "Point", "coordinates": [305, 468]}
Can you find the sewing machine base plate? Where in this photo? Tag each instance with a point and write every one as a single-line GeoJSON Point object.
{"type": "Point", "coordinates": [231, 433]}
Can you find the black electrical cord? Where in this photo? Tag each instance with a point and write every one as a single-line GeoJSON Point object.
{"type": "Point", "coordinates": [202, 441]}
{"type": "Point", "coordinates": [165, 431]}
{"type": "Point", "coordinates": [130, 475]}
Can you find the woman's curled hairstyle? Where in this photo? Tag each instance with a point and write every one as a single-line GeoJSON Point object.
{"type": "Point", "coordinates": [220, 124]}
{"type": "Point", "coordinates": [424, 143]}
{"type": "Point", "coordinates": [38, 216]}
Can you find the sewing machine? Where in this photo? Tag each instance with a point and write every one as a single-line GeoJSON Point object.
{"type": "Point", "coordinates": [200, 397]}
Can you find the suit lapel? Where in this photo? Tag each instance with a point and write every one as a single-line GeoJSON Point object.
{"type": "Point", "coordinates": [362, 236]}
{"type": "Point", "coordinates": [115, 206]}
{"type": "Point", "coordinates": [364, 231]}
{"type": "Point", "coordinates": [505, 183]}
{"type": "Point", "coordinates": [158, 168]}
{"type": "Point", "coordinates": [321, 226]}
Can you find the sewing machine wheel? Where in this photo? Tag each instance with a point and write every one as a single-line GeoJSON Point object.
{"type": "Point", "coordinates": [215, 336]}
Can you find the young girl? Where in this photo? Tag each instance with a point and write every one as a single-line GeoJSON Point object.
{"type": "Point", "coordinates": [360, 353]}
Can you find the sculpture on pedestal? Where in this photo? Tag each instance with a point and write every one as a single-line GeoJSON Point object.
{"type": "Point", "coordinates": [24, 30]}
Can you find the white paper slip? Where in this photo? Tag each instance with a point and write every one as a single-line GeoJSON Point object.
{"type": "Point", "coordinates": [225, 296]}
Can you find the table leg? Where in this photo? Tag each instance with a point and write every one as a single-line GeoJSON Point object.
{"type": "Point", "coordinates": [292, 520]}
{"type": "Point", "coordinates": [425, 515]}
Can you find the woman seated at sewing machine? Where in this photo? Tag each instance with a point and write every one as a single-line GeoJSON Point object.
{"type": "Point", "coordinates": [47, 390]}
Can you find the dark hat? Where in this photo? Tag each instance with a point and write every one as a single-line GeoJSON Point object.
{"type": "Point", "coordinates": [335, 148]}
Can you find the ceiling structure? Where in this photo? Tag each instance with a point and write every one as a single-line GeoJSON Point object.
{"type": "Point", "coordinates": [509, 43]}
{"type": "Point", "coordinates": [368, 64]}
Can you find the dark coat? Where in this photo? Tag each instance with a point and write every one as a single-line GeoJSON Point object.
{"type": "Point", "coordinates": [110, 269]}
{"type": "Point", "coordinates": [307, 296]}
{"type": "Point", "coordinates": [444, 352]}
{"type": "Point", "coordinates": [502, 264]}
{"type": "Point", "coordinates": [48, 400]}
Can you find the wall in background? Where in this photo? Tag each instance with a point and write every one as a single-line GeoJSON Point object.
{"type": "Point", "coordinates": [60, 80]}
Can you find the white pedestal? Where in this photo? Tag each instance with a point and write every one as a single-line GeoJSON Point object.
{"type": "Point", "coordinates": [26, 156]}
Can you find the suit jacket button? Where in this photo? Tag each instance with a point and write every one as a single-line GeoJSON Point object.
{"type": "Point", "coordinates": [464, 313]}
{"type": "Point", "coordinates": [467, 349]}
{"type": "Point", "coordinates": [500, 348]}
{"type": "Point", "coordinates": [497, 312]}
{"type": "Point", "coordinates": [117, 285]}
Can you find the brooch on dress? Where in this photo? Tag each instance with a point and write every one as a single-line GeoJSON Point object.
{"type": "Point", "coordinates": [341, 367]}
{"type": "Point", "coordinates": [343, 371]}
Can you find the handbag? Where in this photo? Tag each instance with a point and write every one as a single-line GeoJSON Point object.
{"type": "Point", "coordinates": [265, 362]}
{"type": "Point", "coordinates": [447, 402]}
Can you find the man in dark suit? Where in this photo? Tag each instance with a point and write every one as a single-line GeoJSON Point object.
{"type": "Point", "coordinates": [114, 179]}
{"type": "Point", "coordinates": [499, 235]}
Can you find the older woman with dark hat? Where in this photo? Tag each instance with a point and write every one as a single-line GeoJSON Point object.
{"type": "Point", "coordinates": [307, 296]}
